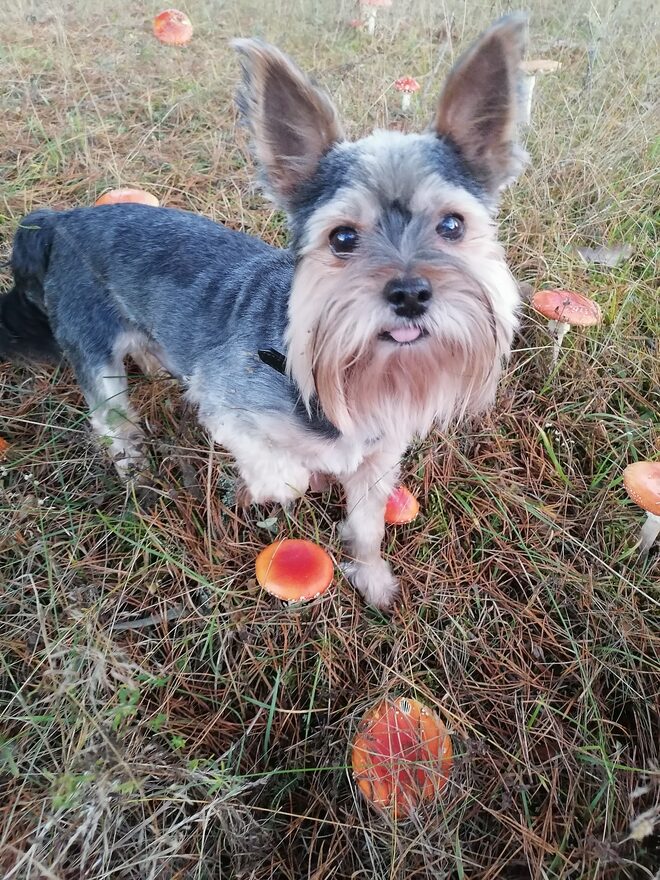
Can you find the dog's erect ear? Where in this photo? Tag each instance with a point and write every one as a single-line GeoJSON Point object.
{"type": "Point", "coordinates": [293, 123]}
{"type": "Point", "coordinates": [479, 107]}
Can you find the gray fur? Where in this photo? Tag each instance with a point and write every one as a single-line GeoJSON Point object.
{"type": "Point", "coordinates": [203, 298]}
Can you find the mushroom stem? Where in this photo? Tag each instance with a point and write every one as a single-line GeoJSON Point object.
{"type": "Point", "coordinates": [527, 90]}
{"type": "Point", "coordinates": [371, 20]}
{"type": "Point", "coordinates": [557, 329]}
{"type": "Point", "coordinates": [650, 531]}
{"type": "Point", "coordinates": [405, 101]}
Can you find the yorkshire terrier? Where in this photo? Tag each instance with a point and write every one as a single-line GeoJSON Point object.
{"type": "Point", "coordinates": [391, 311]}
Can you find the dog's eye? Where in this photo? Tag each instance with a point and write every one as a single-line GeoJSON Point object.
{"type": "Point", "coordinates": [451, 227]}
{"type": "Point", "coordinates": [343, 240]}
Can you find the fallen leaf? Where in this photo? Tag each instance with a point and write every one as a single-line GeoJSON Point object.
{"type": "Point", "coordinates": [540, 65]}
{"type": "Point", "coordinates": [604, 255]}
{"type": "Point", "coordinates": [270, 524]}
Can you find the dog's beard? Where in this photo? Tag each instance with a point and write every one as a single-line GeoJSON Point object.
{"type": "Point", "coordinates": [338, 347]}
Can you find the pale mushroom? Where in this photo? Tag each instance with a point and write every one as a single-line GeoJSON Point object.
{"type": "Point", "coordinates": [530, 69]}
{"type": "Point", "coordinates": [369, 8]}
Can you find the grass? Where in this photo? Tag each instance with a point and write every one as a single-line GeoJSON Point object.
{"type": "Point", "coordinates": [163, 718]}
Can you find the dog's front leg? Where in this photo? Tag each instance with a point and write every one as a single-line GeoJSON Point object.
{"type": "Point", "coordinates": [367, 491]}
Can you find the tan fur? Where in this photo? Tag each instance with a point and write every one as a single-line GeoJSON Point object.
{"type": "Point", "coordinates": [479, 108]}
{"type": "Point", "coordinates": [337, 311]}
{"type": "Point", "coordinates": [293, 122]}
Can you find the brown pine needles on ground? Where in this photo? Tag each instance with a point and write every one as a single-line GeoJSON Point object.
{"type": "Point", "coordinates": [161, 716]}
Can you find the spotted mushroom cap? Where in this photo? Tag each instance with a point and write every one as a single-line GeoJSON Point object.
{"type": "Point", "coordinates": [567, 306]}
{"type": "Point", "coordinates": [401, 756]}
{"type": "Point", "coordinates": [406, 84]}
{"type": "Point", "coordinates": [642, 482]}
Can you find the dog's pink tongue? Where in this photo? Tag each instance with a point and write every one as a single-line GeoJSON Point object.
{"type": "Point", "coordinates": [405, 334]}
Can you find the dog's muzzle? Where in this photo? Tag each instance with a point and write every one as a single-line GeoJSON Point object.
{"type": "Point", "coordinates": [408, 296]}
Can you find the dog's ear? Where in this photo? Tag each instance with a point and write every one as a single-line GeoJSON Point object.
{"type": "Point", "coordinates": [479, 106]}
{"type": "Point", "coordinates": [293, 123]}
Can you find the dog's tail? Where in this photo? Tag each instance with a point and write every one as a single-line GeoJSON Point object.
{"type": "Point", "coordinates": [25, 332]}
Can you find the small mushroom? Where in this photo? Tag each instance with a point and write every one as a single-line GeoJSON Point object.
{"type": "Point", "coordinates": [565, 308]}
{"type": "Point", "coordinates": [173, 27]}
{"type": "Point", "coordinates": [406, 85]}
{"type": "Point", "coordinates": [294, 569]}
{"type": "Point", "coordinates": [402, 507]}
{"type": "Point", "coordinates": [125, 196]}
{"type": "Point", "coordinates": [369, 8]}
{"type": "Point", "coordinates": [642, 482]}
{"type": "Point", "coordinates": [401, 756]}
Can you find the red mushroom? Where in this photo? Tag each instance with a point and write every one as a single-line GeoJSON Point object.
{"type": "Point", "coordinates": [124, 196]}
{"type": "Point", "coordinates": [369, 7]}
{"type": "Point", "coordinates": [173, 27]}
{"type": "Point", "coordinates": [565, 308]}
{"type": "Point", "coordinates": [402, 507]}
{"type": "Point", "coordinates": [642, 482]}
{"type": "Point", "coordinates": [401, 756]}
{"type": "Point", "coordinates": [294, 569]}
{"type": "Point", "coordinates": [406, 85]}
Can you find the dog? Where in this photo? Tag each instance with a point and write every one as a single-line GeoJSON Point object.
{"type": "Point", "coordinates": [391, 311]}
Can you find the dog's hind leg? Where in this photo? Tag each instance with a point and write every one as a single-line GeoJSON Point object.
{"type": "Point", "coordinates": [105, 386]}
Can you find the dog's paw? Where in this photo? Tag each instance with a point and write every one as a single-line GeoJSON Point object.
{"type": "Point", "coordinates": [376, 583]}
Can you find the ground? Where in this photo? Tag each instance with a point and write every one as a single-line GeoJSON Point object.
{"type": "Point", "coordinates": [164, 718]}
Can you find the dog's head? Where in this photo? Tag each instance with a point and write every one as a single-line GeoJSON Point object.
{"type": "Point", "coordinates": [402, 307]}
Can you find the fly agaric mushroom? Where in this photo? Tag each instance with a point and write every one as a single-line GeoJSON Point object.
{"type": "Point", "coordinates": [125, 196]}
{"type": "Point", "coordinates": [407, 86]}
{"type": "Point", "coordinates": [642, 482]}
{"type": "Point", "coordinates": [369, 8]}
{"type": "Point", "coordinates": [173, 27]}
{"type": "Point", "coordinates": [565, 308]}
{"type": "Point", "coordinates": [294, 569]}
{"type": "Point", "coordinates": [401, 756]}
{"type": "Point", "coordinates": [402, 507]}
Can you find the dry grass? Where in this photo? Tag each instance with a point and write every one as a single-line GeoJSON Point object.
{"type": "Point", "coordinates": [162, 718]}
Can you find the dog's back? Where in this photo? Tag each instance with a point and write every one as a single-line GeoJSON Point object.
{"type": "Point", "coordinates": [181, 280]}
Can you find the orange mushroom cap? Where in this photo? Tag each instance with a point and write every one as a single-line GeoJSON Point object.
{"type": "Point", "coordinates": [173, 27]}
{"type": "Point", "coordinates": [402, 507]}
{"type": "Point", "coordinates": [125, 196]}
{"type": "Point", "coordinates": [401, 755]}
{"type": "Point", "coordinates": [642, 482]}
{"type": "Point", "coordinates": [294, 569]}
{"type": "Point", "coordinates": [567, 306]}
{"type": "Point", "coordinates": [406, 84]}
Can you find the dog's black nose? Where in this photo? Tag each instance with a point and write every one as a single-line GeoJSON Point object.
{"type": "Point", "coordinates": [408, 296]}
